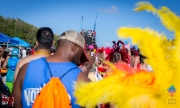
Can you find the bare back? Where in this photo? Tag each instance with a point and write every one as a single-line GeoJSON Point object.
{"type": "Point", "coordinates": [25, 61]}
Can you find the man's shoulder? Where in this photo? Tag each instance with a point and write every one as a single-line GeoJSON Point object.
{"type": "Point", "coordinates": [76, 69]}
{"type": "Point", "coordinates": [71, 66]}
{"type": "Point", "coordinates": [33, 57]}
{"type": "Point", "coordinates": [37, 62]}
{"type": "Point", "coordinates": [65, 66]}
{"type": "Point", "coordinates": [28, 59]}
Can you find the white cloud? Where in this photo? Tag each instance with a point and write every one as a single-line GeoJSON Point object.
{"type": "Point", "coordinates": [111, 10]}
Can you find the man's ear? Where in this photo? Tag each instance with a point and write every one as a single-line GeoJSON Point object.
{"type": "Point", "coordinates": [37, 44]}
{"type": "Point", "coordinates": [73, 47]}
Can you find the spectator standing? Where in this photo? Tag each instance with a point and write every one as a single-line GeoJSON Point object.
{"type": "Point", "coordinates": [10, 64]}
{"type": "Point", "coordinates": [1, 55]}
{"type": "Point", "coordinates": [44, 40]}
{"type": "Point", "coordinates": [23, 52]}
{"type": "Point", "coordinates": [32, 50]}
{"type": "Point", "coordinates": [4, 71]}
{"type": "Point", "coordinates": [28, 52]}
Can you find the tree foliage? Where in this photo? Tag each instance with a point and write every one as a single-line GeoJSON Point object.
{"type": "Point", "coordinates": [16, 27]}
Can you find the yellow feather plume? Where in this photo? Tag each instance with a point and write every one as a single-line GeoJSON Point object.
{"type": "Point", "coordinates": [140, 6]}
{"type": "Point", "coordinates": [168, 18]}
{"type": "Point", "coordinates": [128, 88]}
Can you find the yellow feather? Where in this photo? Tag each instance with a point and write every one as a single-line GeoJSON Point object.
{"type": "Point", "coordinates": [140, 6]}
{"type": "Point", "coordinates": [168, 18]}
{"type": "Point", "coordinates": [141, 89]}
{"type": "Point", "coordinates": [151, 44]}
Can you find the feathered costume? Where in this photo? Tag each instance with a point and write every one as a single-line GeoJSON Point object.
{"type": "Point", "coordinates": [123, 51]}
{"type": "Point", "coordinates": [129, 88]}
{"type": "Point", "coordinates": [110, 53]}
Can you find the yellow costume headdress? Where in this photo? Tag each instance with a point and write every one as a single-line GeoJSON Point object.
{"type": "Point", "coordinates": [141, 89]}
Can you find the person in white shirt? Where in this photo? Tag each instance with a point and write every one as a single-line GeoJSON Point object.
{"type": "Point", "coordinates": [23, 53]}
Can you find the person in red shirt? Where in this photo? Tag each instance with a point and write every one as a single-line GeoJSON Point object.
{"type": "Point", "coordinates": [32, 51]}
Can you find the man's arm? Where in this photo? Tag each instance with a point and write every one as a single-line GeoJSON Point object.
{"type": "Point", "coordinates": [83, 77]}
{"type": "Point", "coordinates": [86, 67]}
{"type": "Point", "coordinates": [17, 89]}
{"type": "Point", "coordinates": [4, 66]}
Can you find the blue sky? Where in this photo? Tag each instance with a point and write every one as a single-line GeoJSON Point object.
{"type": "Point", "coordinates": [62, 15]}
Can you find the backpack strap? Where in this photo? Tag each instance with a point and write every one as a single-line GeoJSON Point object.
{"type": "Point", "coordinates": [67, 72]}
{"type": "Point", "coordinates": [47, 66]}
{"type": "Point", "coordinates": [51, 71]}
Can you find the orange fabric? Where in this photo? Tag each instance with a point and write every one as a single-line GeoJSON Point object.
{"type": "Point", "coordinates": [53, 95]}
{"type": "Point", "coordinates": [124, 67]}
{"type": "Point", "coordinates": [3, 70]}
{"type": "Point", "coordinates": [41, 53]}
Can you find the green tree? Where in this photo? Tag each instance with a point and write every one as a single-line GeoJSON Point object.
{"type": "Point", "coordinates": [16, 27]}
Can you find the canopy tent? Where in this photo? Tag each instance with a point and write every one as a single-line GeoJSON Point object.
{"type": "Point", "coordinates": [21, 42]}
{"type": "Point", "coordinates": [7, 39]}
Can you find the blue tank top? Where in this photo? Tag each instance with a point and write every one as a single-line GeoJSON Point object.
{"type": "Point", "coordinates": [12, 62]}
{"type": "Point", "coordinates": [37, 75]}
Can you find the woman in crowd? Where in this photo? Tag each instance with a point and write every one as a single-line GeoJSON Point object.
{"type": "Point", "coordinates": [28, 52]}
{"type": "Point", "coordinates": [10, 64]}
{"type": "Point", "coordinates": [4, 71]}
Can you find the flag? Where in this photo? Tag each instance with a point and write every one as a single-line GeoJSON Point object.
{"type": "Point", "coordinates": [82, 23]}
{"type": "Point", "coordinates": [94, 30]}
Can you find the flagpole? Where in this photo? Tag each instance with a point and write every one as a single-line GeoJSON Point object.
{"type": "Point", "coordinates": [95, 23]}
{"type": "Point", "coordinates": [82, 23]}
{"type": "Point", "coordinates": [94, 30]}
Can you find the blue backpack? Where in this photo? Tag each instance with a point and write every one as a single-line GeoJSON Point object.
{"type": "Point", "coordinates": [13, 63]}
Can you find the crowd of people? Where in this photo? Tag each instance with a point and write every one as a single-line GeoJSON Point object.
{"type": "Point", "coordinates": [117, 54]}
{"type": "Point", "coordinates": [88, 33]}
{"type": "Point", "coordinates": [10, 56]}
{"type": "Point", "coordinates": [23, 70]}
